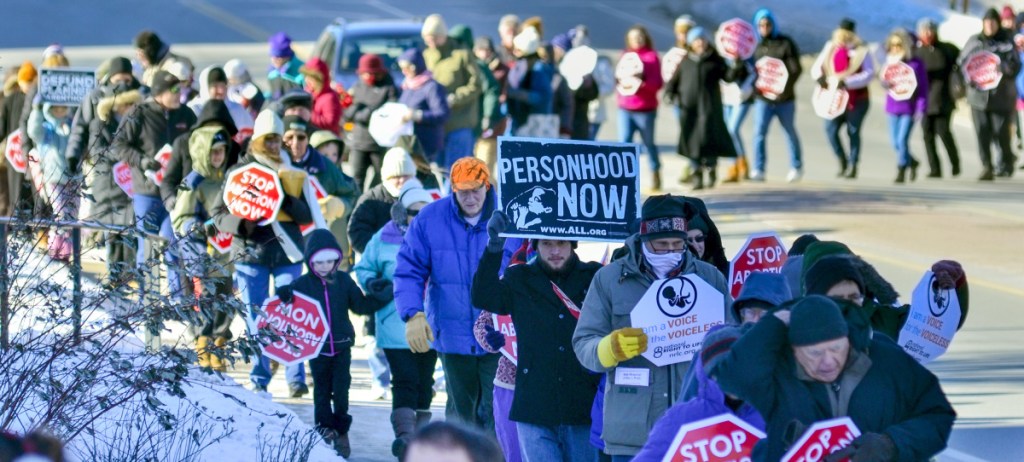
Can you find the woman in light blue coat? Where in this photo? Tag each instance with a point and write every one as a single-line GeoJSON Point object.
{"type": "Point", "coordinates": [411, 373]}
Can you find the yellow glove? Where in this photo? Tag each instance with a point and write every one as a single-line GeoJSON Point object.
{"type": "Point", "coordinates": [418, 333]}
{"type": "Point", "coordinates": [332, 208]}
{"type": "Point", "coordinates": [621, 345]}
{"type": "Point", "coordinates": [292, 180]}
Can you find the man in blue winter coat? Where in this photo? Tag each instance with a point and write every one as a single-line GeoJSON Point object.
{"type": "Point", "coordinates": [435, 269]}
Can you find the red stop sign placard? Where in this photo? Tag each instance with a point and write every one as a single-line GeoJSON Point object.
{"type": "Point", "coordinates": [253, 192]}
{"type": "Point", "coordinates": [722, 438]}
{"type": "Point", "coordinates": [762, 252]}
{"type": "Point", "coordinates": [123, 177]}
{"type": "Point", "coordinates": [221, 242]}
{"type": "Point", "coordinates": [15, 156]}
{"type": "Point", "coordinates": [163, 156]}
{"type": "Point", "coordinates": [772, 76]}
{"type": "Point", "coordinates": [901, 80]}
{"type": "Point", "coordinates": [736, 39]}
{"type": "Point", "coordinates": [822, 439]}
{"type": "Point", "coordinates": [983, 70]}
{"type": "Point", "coordinates": [301, 325]}
{"type": "Point", "coordinates": [503, 324]}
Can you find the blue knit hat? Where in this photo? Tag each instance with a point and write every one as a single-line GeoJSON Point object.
{"type": "Point", "coordinates": [815, 319]}
{"type": "Point", "coordinates": [415, 57]}
{"type": "Point", "coordinates": [695, 33]}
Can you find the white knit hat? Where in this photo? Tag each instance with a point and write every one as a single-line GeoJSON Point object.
{"type": "Point", "coordinates": [235, 69]}
{"type": "Point", "coordinates": [397, 162]}
{"type": "Point", "coordinates": [267, 123]}
{"type": "Point", "coordinates": [527, 41]}
{"type": "Point", "coordinates": [412, 193]}
{"type": "Point", "coordinates": [434, 26]}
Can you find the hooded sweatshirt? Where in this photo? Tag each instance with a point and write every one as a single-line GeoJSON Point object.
{"type": "Point", "coordinates": [239, 115]}
{"type": "Point", "coordinates": [50, 135]}
{"type": "Point", "coordinates": [195, 205]}
{"type": "Point", "coordinates": [326, 104]}
{"type": "Point", "coordinates": [216, 114]}
{"type": "Point", "coordinates": [779, 46]}
{"type": "Point", "coordinates": [336, 292]}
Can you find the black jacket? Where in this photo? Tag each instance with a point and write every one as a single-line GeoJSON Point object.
{"type": "Point", "coordinates": [110, 203]}
{"type": "Point", "coordinates": [261, 246]}
{"type": "Point", "coordinates": [214, 112]}
{"type": "Point", "coordinates": [781, 47]}
{"type": "Point", "coordinates": [895, 396]}
{"type": "Point", "coordinates": [940, 64]}
{"type": "Point", "coordinates": [372, 212]}
{"type": "Point", "coordinates": [696, 88]}
{"type": "Point", "coordinates": [10, 112]}
{"type": "Point", "coordinates": [1003, 98]}
{"type": "Point", "coordinates": [144, 130]}
{"type": "Point", "coordinates": [365, 100]}
{"type": "Point", "coordinates": [80, 142]}
{"type": "Point", "coordinates": [337, 294]}
{"type": "Point", "coordinates": [552, 387]}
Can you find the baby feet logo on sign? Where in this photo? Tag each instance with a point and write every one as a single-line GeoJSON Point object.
{"type": "Point", "coordinates": [676, 313]}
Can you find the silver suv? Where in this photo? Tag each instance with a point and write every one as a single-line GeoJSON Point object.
{"type": "Point", "coordinates": [342, 43]}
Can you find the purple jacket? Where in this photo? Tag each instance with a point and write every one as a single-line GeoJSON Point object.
{"type": "Point", "coordinates": [709, 402]}
{"type": "Point", "coordinates": [431, 99]}
{"type": "Point", "coordinates": [917, 104]}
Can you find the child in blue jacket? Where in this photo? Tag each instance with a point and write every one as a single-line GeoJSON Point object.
{"type": "Point", "coordinates": [337, 293]}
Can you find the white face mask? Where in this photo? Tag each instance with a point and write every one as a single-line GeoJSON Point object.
{"type": "Point", "coordinates": [661, 264]}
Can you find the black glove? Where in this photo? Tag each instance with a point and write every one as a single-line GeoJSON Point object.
{"type": "Point", "coordinates": [494, 339]}
{"type": "Point", "coordinates": [822, 82]}
{"type": "Point", "coordinates": [381, 289]}
{"type": "Point", "coordinates": [150, 163]}
{"type": "Point", "coordinates": [841, 84]}
{"type": "Point", "coordinates": [285, 293]}
{"type": "Point", "coordinates": [210, 228]}
{"type": "Point", "coordinates": [869, 447]}
{"type": "Point", "coordinates": [495, 226]}
{"type": "Point", "coordinates": [247, 227]}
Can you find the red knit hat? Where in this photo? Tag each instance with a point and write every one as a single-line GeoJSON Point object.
{"type": "Point", "coordinates": [370, 64]}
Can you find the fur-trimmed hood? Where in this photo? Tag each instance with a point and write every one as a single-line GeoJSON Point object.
{"type": "Point", "coordinates": [105, 107]}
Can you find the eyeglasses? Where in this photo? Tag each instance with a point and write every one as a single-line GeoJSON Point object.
{"type": "Point", "coordinates": [667, 251]}
{"type": "Point", "coordinates": [696, 240]}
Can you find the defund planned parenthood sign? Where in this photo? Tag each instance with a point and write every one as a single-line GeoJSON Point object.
{"type": "Point", "coordinates": [561, 189]}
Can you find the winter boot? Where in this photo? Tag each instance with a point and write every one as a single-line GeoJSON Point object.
{"type": "Point", "coordinates": [202, 342]}
{"type": "Point", "coordinates": [422, 419]}
{"type": "Point", "coordinates": [217, 363]}
{"type": "Point", "coordinates": [901, 175]}
{"type": "Point", "coordinates": [656, 180]}
{"type": "Point", "coordinates": [698, 179]}
{"type": "Point", "coordinates": [851, 173]}
{"type": "Point", "coordinates": [342, 445]}
{"type": "Point", "coordinates": [913, 168]}
{"type": "Point", "coordinates": [987, 175]}
{"type": "Point", "coordinates": [712, 176]}
{"type": "Point", "coordinates": [403, 422]}
{"type": "Point", "coordinates": [732, 174]}
{"type": "Point", "coordinates": [843, 165]}
{"type": "Point", "coordinates": [742, 169]}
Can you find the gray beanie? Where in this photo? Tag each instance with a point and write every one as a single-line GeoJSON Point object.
{"type": "Point", "coordinates": [815, 319]}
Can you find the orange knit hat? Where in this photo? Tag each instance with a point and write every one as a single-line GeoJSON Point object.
{"type": "Point", "coordinates": [27, 72]}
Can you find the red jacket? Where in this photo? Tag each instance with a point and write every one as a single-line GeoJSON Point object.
{"type": "Point", "coordinates": [326, 103]}
{"type": "Point", "coordinates": [646, 98]}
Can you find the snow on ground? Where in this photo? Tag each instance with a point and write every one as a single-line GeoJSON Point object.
{"type": "Point", "coordinates": [232, 423]}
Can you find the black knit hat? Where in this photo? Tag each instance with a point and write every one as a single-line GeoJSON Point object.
{"type": "Point", "coordinates": [815, 319]}
{"type": "Point", "coordinates": [847, 24]}
{"type": "Point", "coordinates": [119, 65]}
{"type": "Point", "coordinates": [216, 75]}
{"type": "Point", "coordinates": [149, 43]}
{"type": "Point", "coordinates": [830, 271]}
{"type": "Point", "coordinates": [163, 81]}
{"type": "Point", "coordinates": [992, 14]}
{"type": "Point", "coordinates": [663, 216]}
{"type": "Point", "coordinates": [698, 223]}
{"type": "Point", "coordinates": [801, 243]}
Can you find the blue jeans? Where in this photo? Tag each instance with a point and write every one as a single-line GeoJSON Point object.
{"type": "Point", "coordinates": [457, 144]}
{"type": "Point", "coordinates": [562, 443]}
{"type": "Point", "coordinates": [735, 114]}
{"type": "Point", "coordinates": [631, 122]}
{"type": "Point", "coordinates": [853, 118]}
{"type": "Point", "coordinates": [763, 114]}
{"type": "Point", "coordinates": [594, 128]}
{"type": "Point", "coordinates": [151, 217]}
{"type": "Point", "coordinates": [253, 285]}
{"type": "Point", "coordinates": [899, 132]}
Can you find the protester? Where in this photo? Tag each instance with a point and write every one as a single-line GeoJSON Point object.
{"type": "Point", "coordinates": [798, 367]}
{"type": "Point", "coordinates": [456, 70]}
{"type": "Point", "coordinates": [329, 145]}
{"type": "Point", "coordinates": [271, 249]}
{"type": "Point", "coordinates": [241, 88]}
{"type": "Point", "coordinates": [736, 103]}
{"type": "Point", "coordinates": [902, 113]}
{"type": "Point", "coordinates": [774, 44]}
{"type": "Point", "coordinates": [428, 104]}
{"type": "Point", "coordinates": [373, 209]}
{"type": "Point", "coordinates": [709, 401]}
{"type": "Point", "coordinates": [283, 74]}
{"type": "Point", "coordinates": [111, 205]}
{"type": "Point", "coordinates": [143, 133]}
{"type": "Point", "coordinates": [49, 127]}
{"type": "Point", "coordinates": [374, 88]}
{"type": "Point", "coordinates": [604, 339]}
{"type": "Point", "coordinates": [670, 64]}
{"type": "Point", "coordinates": [492, 341]}
{"type": "Point", "coordinates": [327, 109]}
{"type": "Point", "coordinates": [155, 55]}
{"type": "Point", "coordinates": [529, 95]}
{"type": "Point", "coordinates": [411, 372]}
{"type": "Point", "coordinates": [846, 63]}
{"type": "Point", "coordinates": [944, 78]}
{"type": "Point", "coordinates": [15, 89]}
{"type": "Point", "coordinates": [508, 29]}
{"type": "Point", "coordinates": [993, 110]}
{"type": "Point", "coordinates": [209, 271]}
{"type": "Point", "coordinates": [213, 85]}
{"type": "Point", "coordinates": [792, 269]}
{"type": "Point", "coordinates": [638, 107]}
{"type": "Point", "coordinates": [489, 104]}
{"type": "Point", "coordinates": [604, 77]}
{"type": "Point", "coordinates": [215, 113]}
{"type": "Point", "coordinates": [338, 294]}
{"type": "Point", "coordinates": [445, 441]}
{"type": "Point", "coordinates": [703, 238]}
{"type": "Point", "coordinates": [543, 297]}
{"type": "Point", "coordinates": [432, 289]}
{"type": "Point", "coordinates": [695, 88]}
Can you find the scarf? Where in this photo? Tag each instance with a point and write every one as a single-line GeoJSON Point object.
{"type": "Point", "coordinates": [418, 81]}
{"type": "Point", "coordinates": [661, 266]}
{"type": "Point", "coordinates": [273, 160]}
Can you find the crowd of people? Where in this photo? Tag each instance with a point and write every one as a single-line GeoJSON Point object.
{"type": "Point", "coordinates": [418, 245]}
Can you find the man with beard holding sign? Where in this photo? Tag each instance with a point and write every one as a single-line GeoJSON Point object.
{"type": "Point", "coordinates": [554, 393]}
{"type": "Point", "coordinates": [638, 391]}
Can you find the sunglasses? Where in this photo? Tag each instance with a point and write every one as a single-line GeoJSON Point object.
{"type": "Point", "coordinates": [697, 239]}
{"type": "Point", "coordinates": [412, 213]}
{"type": "Point", "coordinates": [175, 89]}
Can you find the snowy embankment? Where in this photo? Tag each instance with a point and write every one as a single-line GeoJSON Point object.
{"type": "Point", "coordinates": [110, 400]}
